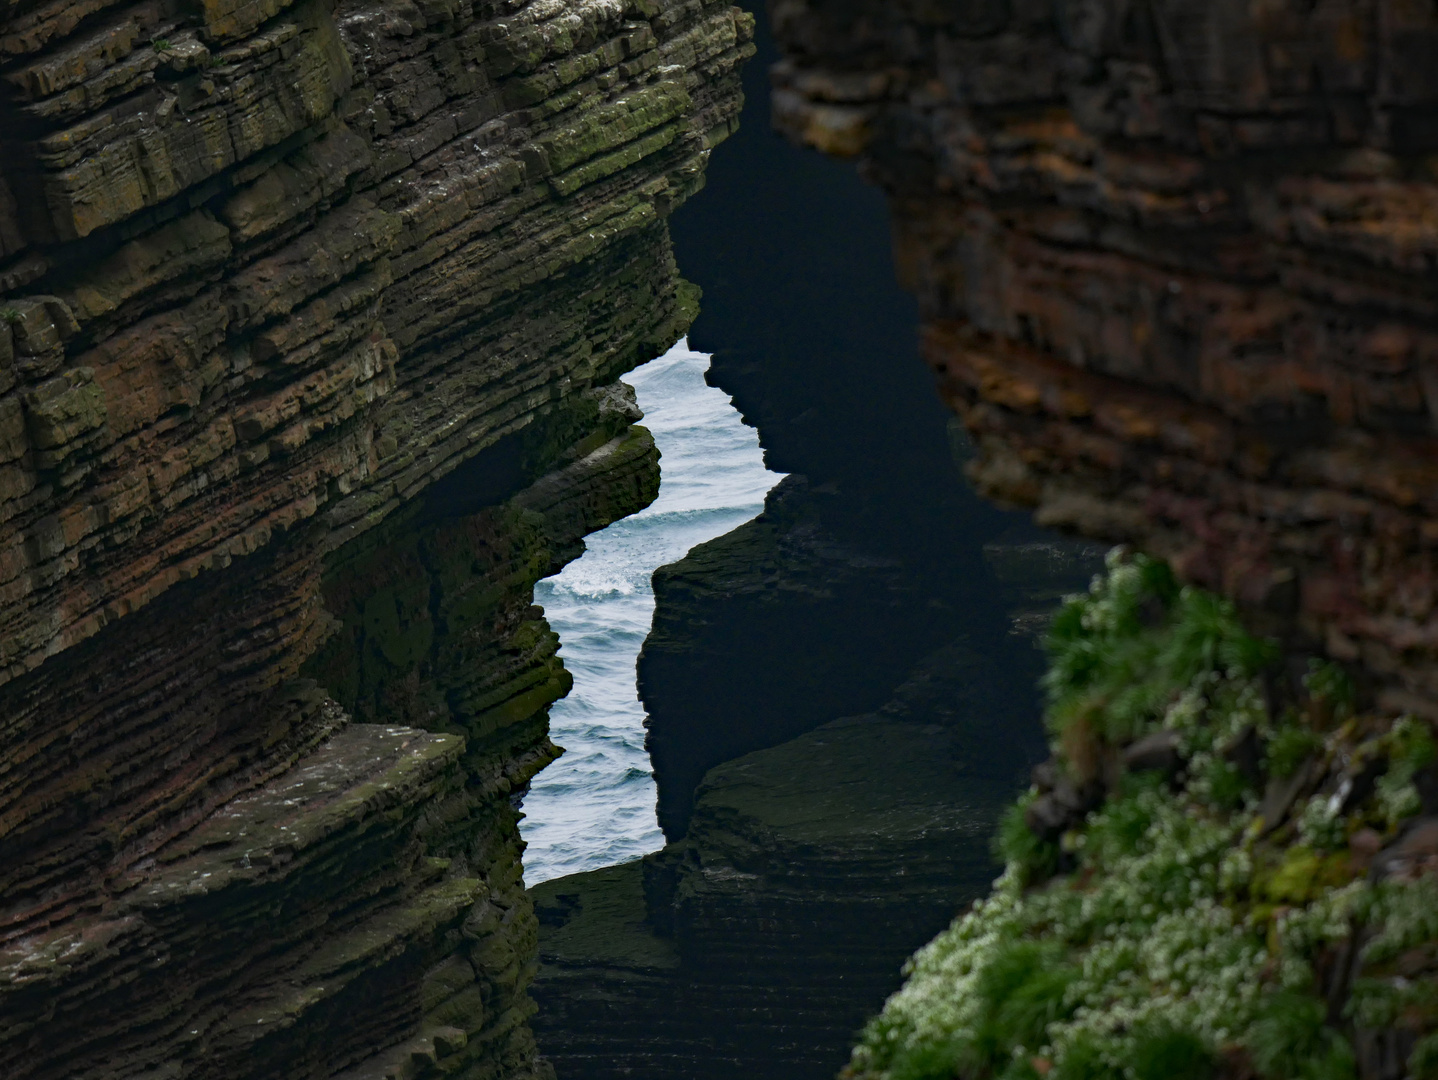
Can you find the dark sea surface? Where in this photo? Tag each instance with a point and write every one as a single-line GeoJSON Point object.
{"type": "Point", "coordinates": [595, 806]}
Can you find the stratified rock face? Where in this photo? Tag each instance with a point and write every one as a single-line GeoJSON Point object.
{"type": "Point", "coordinates": [839, 703]}
{"type": "Point", "coordinates": [1176, 261]}
{"type": "Point", "coordinates": [760, 944]}
{"type": "Point", "coordinates": [871, 555]}
{"type": "Point", "coordinates": [268, 272]}
{"type": "Point", "coordinates": [790, 621]}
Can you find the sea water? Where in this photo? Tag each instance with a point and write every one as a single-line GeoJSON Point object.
{"type": "Point", "coordinates": [595, 806]}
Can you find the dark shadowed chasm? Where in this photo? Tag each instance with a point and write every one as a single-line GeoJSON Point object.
{"type": "Point", "coordinates": [817, 342]}
{"type": "Point", "coordinates": [841, 693]}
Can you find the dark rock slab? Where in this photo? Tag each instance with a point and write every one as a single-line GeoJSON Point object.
{"type": "Point", "coordinates": [762, 942]}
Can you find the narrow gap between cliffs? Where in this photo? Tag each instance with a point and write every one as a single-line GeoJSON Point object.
{"type": "Point", "coordinates": [594, 807]}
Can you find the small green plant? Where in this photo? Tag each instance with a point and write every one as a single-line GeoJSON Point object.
{"type": "Point", "coordinates": [1122, 654]}
{"type": "Point", "coordinates": [1423, 1063]}
{"type": "Point", "coordinates": [927, 1060]}
{"type": "Point", "coordinates": [1167, 1052]}
{"type": "Point", "coordinates": [160, 44]}
{"type": "Point", "coordinates": [1330, 690]}
{"type": "Point", "coordinates": [1410, 748]}
{"type": "Point", "coordinates": [1017, 846]}
{"type": "Point", "coordinates": [1290, 1041]}
{"type": "Point", "coordinates": [10, 316]}
{"type": "Point", "coordinates": [1225, 785]}
{"type": "Point", "coordinates": [1119, 829]}
{"type": "Point", "coordinates": [1083, 1059]}
{"type": "Point", "coordinates": [1289, 748]}
{"type": "Point", "coordinates": [1020, 992]}
{"type": "Point", "coordinates": [1411, 745]}
{"type": "Point", "coordinates": [1320, 825]}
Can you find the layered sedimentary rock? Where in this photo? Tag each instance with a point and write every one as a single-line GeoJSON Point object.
{"type": "Point", "coordinates": [761, 943]}
{"type": "Point", "coordinates": [1175, 263]}
{"type": "Point", "coordinates": [1175, 267]}
{"type": "Point", "coordinates": [793, 620]}
{"type": "Point", "coordinates": [871, 555]}
{"type": "Point", "coordinates": [308, 318]}
{"type": "Point", "coordinates": [838, 701]}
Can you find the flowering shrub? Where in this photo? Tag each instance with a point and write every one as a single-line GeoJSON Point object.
{"type": "Point", "coordinates": [1186, 935]}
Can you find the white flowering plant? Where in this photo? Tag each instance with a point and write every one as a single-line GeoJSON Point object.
{"type": "Point", "coordinates": [1188, 929]}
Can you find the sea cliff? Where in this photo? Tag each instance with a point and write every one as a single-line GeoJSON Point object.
{"type": "Point", "coordinates": [311, 316]}
{"type": "Point", "coordinates": [840, 693]}
{"type": "Point", "coordinates": [1174, 265]}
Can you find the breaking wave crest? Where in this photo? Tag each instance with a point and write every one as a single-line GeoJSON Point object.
{"type": "Point", "coordinates": [595, 806]}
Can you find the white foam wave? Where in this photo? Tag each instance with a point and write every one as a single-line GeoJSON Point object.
{"type": "Point", "coordinates": [595, 806]}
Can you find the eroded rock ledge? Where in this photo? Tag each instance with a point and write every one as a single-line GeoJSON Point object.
{"type": "Point", "coordinates": [309, 319]}
{"type": "Point", "coordinates": [1175, 262]}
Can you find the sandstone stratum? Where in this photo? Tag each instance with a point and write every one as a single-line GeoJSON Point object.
{"type": "Point", "coordinates": [311, 320]}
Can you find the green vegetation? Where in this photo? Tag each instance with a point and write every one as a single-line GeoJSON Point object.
{"type": "Point", "coordinates": [1030, 857]}
{"type": "Point", "coordinates": [10, 315]}
{"type": "Point", "coordinates": [1175, 932]}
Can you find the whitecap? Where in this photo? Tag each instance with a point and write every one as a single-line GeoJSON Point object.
{"type": "Point", "coordinates": [595, 806]}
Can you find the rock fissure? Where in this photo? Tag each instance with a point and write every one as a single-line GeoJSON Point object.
{"type": "Point", "coordinates": [1172, 269]}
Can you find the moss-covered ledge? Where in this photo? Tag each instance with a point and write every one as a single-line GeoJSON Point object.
{"type": "Point", "coordinates": [1226, 872]}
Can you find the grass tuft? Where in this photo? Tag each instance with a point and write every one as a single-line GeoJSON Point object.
{"type": "Point", "coordinates": [1186, 937]}
{"type": "Point", "coordinates": [1016, 845]}
{"type": "Point", "coordinates": [1165, 1052]}
{"type": "Point", "coordinates": [1290, 1041]}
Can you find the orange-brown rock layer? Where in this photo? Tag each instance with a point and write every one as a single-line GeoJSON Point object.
{"type": "Point", "coordinates": [1176, 260]}
{"type": "Point", "coordinates": [310, 316]}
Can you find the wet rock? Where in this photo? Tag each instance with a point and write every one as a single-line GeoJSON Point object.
{"type": "Point", "coordinates": [1413, 855]}
{"type": "Point", "coordinates": [1049, 817]}
{"type": "Point", "coordinates": [1364, 845]}
{"type": "Point", "coordinates": [1359, 781]}
{"type": "Point", "coordinates": [1097, 282]}
{"type": "Point", "coordinates": [1283, 793]}
{"type": "Point", "coordinates": [1061, 803]}
{"type": "Point", "coordinates": [1047, 775]}
{"type": "Point", "coordinates": [1158, 752]}
{"type": "Point", "coordinates": [810, 871]}
{"type": "Point", "coordinates": [1426, 781]}
{"type": "Point", "coordinates": [1246, 752]}
{"type": "Point", "coordinates": [1383, 1054]}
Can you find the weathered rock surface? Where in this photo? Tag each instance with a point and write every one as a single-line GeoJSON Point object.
{"type": "Point", "coordinates": [786, 623]}
{"type": "Point", "coordinates": [307, 312]}
{"type": "Point", "coordinates": [1175, 264]}
{"type": "Point", "coordinates": [816, 852]}
{"type": "Point", "coordinates": [762, 942]}
{"type": "Point", "coordinates": [872, 555]}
